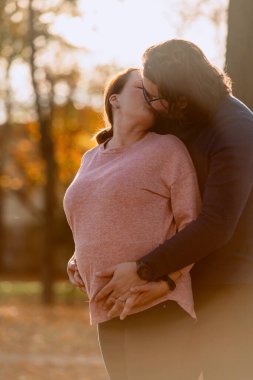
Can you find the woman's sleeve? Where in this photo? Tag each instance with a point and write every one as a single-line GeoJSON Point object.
{"type": "Point", "coordinates": [179, 176]}
{"type": "Point", "coordinates": [184, 191]}
{"type": "Point", "coordinates": [185, 200]}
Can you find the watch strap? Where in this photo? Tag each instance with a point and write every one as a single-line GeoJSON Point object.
{"type": "Point", "coordinates": [170, 282]}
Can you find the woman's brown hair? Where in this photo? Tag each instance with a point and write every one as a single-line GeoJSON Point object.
{"type": "Point", "coordinates": [180, 69]}
{"type": "Point", "coordinates": [115, 86]}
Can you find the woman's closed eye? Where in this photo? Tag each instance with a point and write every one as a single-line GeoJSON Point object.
{"type": "Point", "coordinates": [152, 97]}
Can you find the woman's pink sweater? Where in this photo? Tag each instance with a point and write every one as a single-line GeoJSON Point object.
{"type": "Point", "coordinates": [124, 202]}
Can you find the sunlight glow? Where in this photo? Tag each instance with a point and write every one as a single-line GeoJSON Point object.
{"type": "Point", "coordinates": [120, 31]}
{"type": "Point", "coordinates": [116, 30]}
{"type": "Point", "coordinates": [113, 33]}
{"type": "Point", "coordinates": [19, 74]}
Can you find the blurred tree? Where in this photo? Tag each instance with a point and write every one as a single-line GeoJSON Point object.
{"type": "Point", "coordinates": [27, 42]}
{"type": "Point", "coordinates": [44, 81]}
{"type": "Point", "coordinates": [205, 15]}
{"type": "Point", "coordinates": [239, 54]}
{"type": "Point", "coordinates": [48, 156]}
{"type": "Point", "coordinates": [49, 125]}
{"type": "Point", "coordinates": [8, 51]}
{"type": "Point", "coordinates": [71, 131]}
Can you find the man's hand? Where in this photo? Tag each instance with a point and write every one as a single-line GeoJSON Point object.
{"type": "Point", "coordinates": [123, 277]}
{"type": "Point", "coordinates": [140, 295]}
{"type": "Point", "coordinates": [74, 275]}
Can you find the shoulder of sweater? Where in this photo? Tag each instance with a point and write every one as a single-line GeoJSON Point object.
{"type": "Point", "coordinates": [90, 152]}
{"type": "Point", "coordinates": [168, 141]}
{"type": "Point", "coordinates": [170, 150]}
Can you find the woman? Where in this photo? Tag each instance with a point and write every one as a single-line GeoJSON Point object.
{"type": "Point", "coordinates": [129, 196]}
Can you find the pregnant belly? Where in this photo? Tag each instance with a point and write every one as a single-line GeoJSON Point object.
{"type": "Point", "coordinates": [95, 256]}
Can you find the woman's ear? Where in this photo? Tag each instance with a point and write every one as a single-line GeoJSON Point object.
{"type": "Point", "coordinates": [114, 101]}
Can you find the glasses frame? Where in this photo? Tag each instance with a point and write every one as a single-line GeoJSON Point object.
{"type": "Point", "coordinates": [151, 101]}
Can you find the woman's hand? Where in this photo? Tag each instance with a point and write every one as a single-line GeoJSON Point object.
{"type": "Point", "coordinates": [123, 277]}
{"type": "Point", "coordinates": [74, 275]}
{"type": "Point", "coordinates": [140, 295]}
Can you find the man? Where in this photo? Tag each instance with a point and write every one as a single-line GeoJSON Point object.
{"type": "Point", "coordinates": [196, 101]}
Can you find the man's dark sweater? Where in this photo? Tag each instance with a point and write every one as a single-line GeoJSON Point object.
{"type": "Point", "coordinates": [220, 240]}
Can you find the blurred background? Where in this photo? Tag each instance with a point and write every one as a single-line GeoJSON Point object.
{"type": "Point", "coordinates": [55, 59]}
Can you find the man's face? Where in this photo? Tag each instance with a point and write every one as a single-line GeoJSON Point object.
{"type": "Point", "coordinates": [153, 98]}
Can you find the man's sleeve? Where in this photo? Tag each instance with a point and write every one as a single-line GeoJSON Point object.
{"type": "Point", "coordinates": [227, 189]}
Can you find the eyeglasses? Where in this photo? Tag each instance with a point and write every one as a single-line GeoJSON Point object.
{"type": "Point", "coordinates": [151, 100]}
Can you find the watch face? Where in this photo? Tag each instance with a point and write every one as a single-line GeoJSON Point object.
{"type": "Point", "coordinates": [144, 271]}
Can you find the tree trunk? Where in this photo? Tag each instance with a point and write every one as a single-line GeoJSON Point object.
{"type": "Point", "coordinates": [49, 194]}
{"type": "Point", "coordinates": [4, 142]}
{"type": "Point", "coordinates": [5, 136]}
{"type": "Point", "coordinates": [239, 54]}
{"type": "Point", "coordinates": [2, 231]}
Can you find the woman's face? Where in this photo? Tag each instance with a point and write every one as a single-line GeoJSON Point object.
{"type": "Point", "coordinates": [132, 103]}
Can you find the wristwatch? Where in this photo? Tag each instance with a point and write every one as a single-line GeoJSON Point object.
{"type": "Point", "coordinates": [170, 282]}
{"type": "Point", "coordinates": [144, 271]}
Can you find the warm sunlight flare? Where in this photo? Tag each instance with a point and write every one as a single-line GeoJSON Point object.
{"type": "Point", "coordinates": [120, 30]}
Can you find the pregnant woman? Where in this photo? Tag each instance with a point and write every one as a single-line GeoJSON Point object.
{"type": "Point", "coordinates": [133, 191]}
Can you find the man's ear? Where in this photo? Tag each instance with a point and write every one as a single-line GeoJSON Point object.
{"type": "Point", "coordinates": [114, 101]}
{"type": "Point", "coordinates": [182, 102]}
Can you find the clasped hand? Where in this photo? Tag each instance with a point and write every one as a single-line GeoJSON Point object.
{"type": "Point", "coordinates": [124, 291]}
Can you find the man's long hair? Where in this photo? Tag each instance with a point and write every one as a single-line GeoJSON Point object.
{"type": "Point", "coordinates": [181, 71]}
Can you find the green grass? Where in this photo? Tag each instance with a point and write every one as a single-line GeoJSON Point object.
{"type": "Point", "coordinates": [63, 291]}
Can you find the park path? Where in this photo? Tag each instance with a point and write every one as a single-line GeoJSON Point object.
{"type": "Point", "coordinates": [48, 343]}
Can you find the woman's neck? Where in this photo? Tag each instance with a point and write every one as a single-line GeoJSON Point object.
{"type": "Point", "coordinates": [124, 136]}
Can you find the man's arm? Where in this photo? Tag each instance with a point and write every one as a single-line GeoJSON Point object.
{"type": "Point", "coordinates": [228, 186]}
{"type": "Point", "coordinates": [227, 189]}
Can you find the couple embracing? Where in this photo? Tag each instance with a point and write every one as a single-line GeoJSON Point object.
{"type": "Point", "coordinates": [161, 213]}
